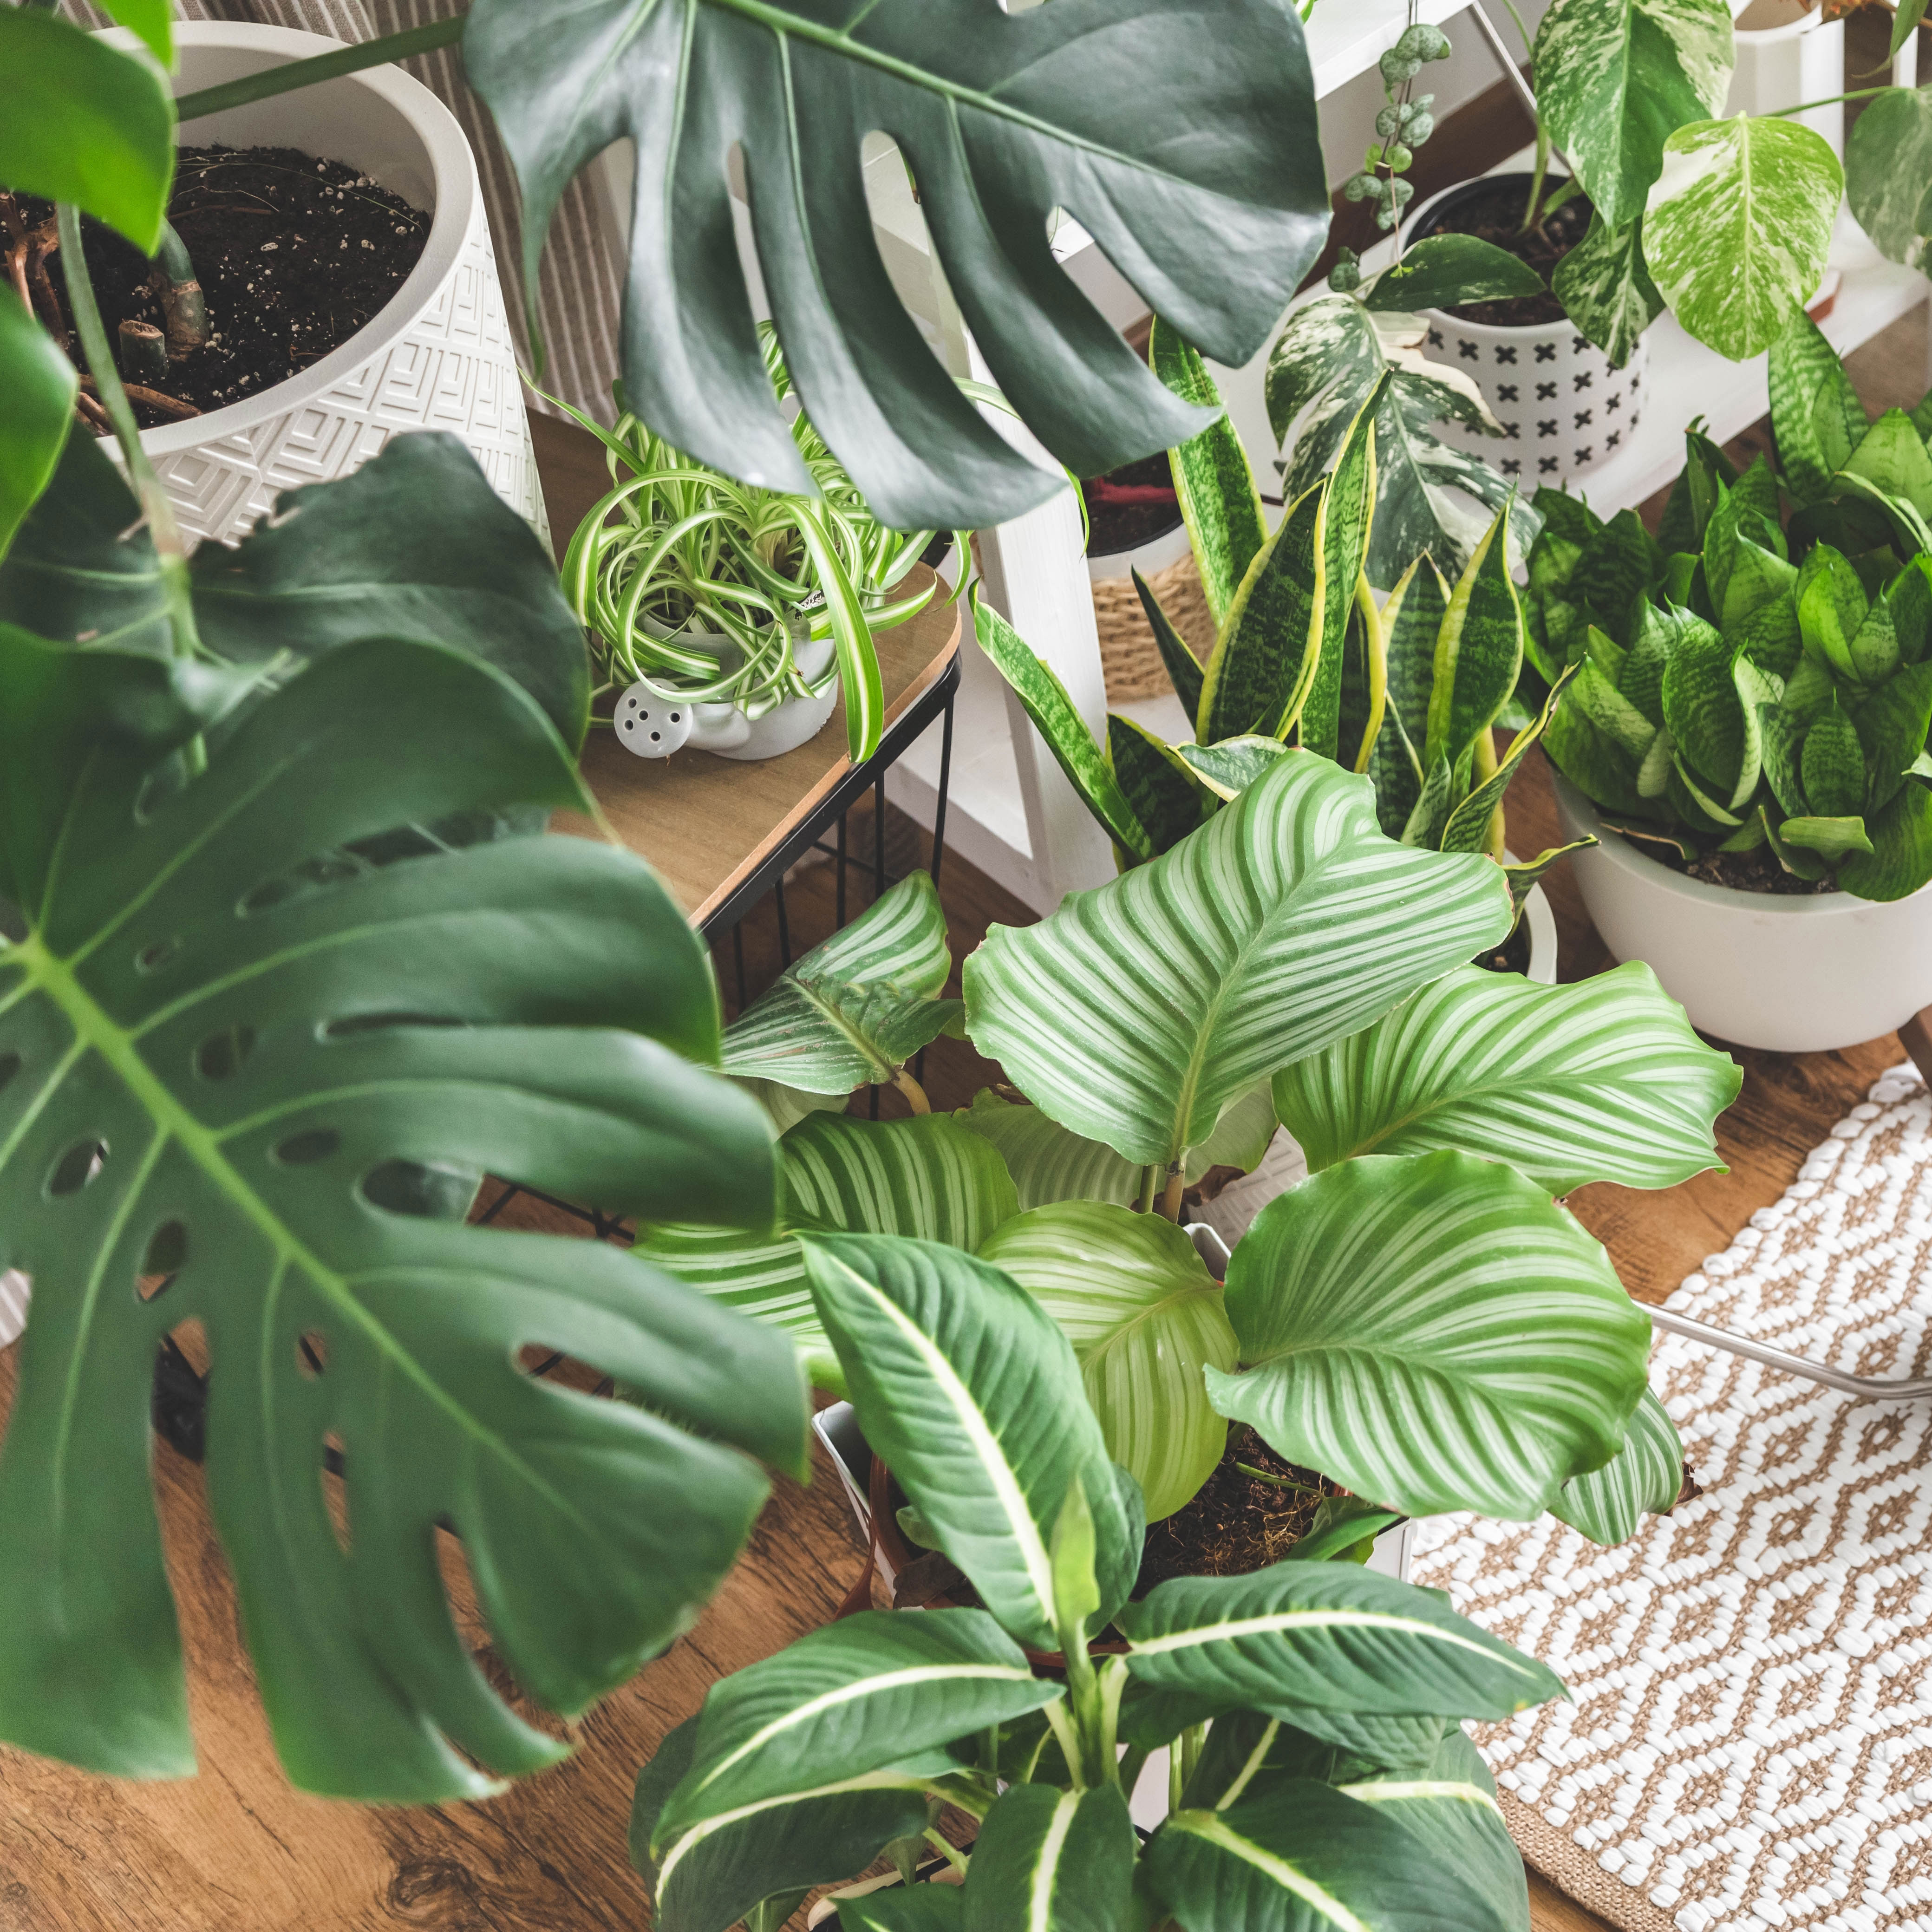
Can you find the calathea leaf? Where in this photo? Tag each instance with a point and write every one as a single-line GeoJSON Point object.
{"type": "Point", "coordinates": [1644, 1478]}
{"type": "Point", "coordinates": [1888, 171]}
{"type": "Point", "coordinates": [1052, 1860]}
{"type": "Point", "coordinates": [1208, 192]}
{"type": "Point", "coordinates": [854, 1010]}
{"type": "Point", "coordinates": [1433, 1333]}
{"type": "Point", "coordinates": [1737, 227]}
{"type": "Point", "coordinates": [296, 1064]}
{"type": "Point", "coordinates": [40, 385]}
{"type": "Point", "coordinates": [1287, 921]}
{"type": "Point", "coordinates": [1145, 1318]}
{"type": "Point", "coordinates": [1816, 415]}
{"type": "Point", "coordinates": [1606, 290]}
{"type": "Point", "coordinates": [1603, 1081]}
{"type": "Point", "coordinates": [963, 1384]}
{"type": "Point", "coordinates": [1411, 622]}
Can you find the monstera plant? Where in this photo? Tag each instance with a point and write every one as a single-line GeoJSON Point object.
{"type": "Point", "coordinates": [1319, 1773]}
{"type": "Point", "coordinates": [1421, 1320]}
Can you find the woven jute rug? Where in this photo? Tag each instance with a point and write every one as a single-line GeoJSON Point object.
{"type": "Point", "coordinates": [1749, 1744]}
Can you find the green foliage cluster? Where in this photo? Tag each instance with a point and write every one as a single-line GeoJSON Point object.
{"type": "Point", "coordinates": [1401, 127]}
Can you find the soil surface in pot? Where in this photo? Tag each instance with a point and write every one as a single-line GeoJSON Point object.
{"type": "Point", "coordinates": [1757, 871]}
{"type": "Point", "coordinates": [1130, 506]}
{"type": "Point", "coordinates": [294, 255]}
{"type": "Point", "coordinates": [1494, 213]}
{"type": "Point", "coordinates": [1512, 956]}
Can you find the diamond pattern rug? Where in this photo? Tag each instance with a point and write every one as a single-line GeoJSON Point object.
{"type": "Point", "coordinates": [1750, 1745]}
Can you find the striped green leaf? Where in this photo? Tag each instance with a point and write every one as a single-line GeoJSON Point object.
{"type": "Point", "coordinates": [1606, 290]}
{"type": "Point", "coordinates": [1257, 678]}
{"type": "Point", "coordinates": [1227, 769]}
{"type": "Point", "coordinates": [963, 1384]}
{"type": "Point", "coordinates": [1893, 458]}
{"type": "Point", "coordinates": [1136, 1011]}
{"type": "Point", "coordinates": [1433, 1333]}
{"type": "Point", "coordinates": [1325, 1637]}
{"type": "Point", "coordinates": [926, 1177]}
{"type": "Point", "coordinates": [1145, 1318]}
{"type": "Point", "coordinates": [867, 1692]}
{"type": "Point", "coordinates": [1737, 227]}
{"type": "Point", "coordinates": [1816, 415]}
{"type": "Point", "coordinates": [1715, 730]}
{"type": "Point", "coordinates": [1888, 170]}
{"type": "Point", "coordinates": [858, 659]}
{"type": "Point", "coordinates": [1184, 668]}
{"type": "Point", "coordinates": [1411, 621]}
{"type": "Point", "coordinates": [1644, 1478]}
{"type": "Point", "coordinates": [1603, 1081]}
{"type": "Point", "coordinates": [1243, 1747]}
{"type": "Point", "coordinates": [1166, 797]}
{"type": "Point", "coordinates": [1901, 859]}
{"type": "Point", "coordinates": [1445, 271]}
{"type": "Point", "coordinates": [1052, 1860]}
{"type": "Point", "coordinates": [1892, 725]}
{"type": "Point", "coordinates": [1615, 77]}
{"type": "Point", "coordinates": [1479, 649]}
{"type": "Point", "coordinates": [856, 1009]}
{"type": "Point", "coordinates": [1832, 765]}
{"type": "Point", "coordinates": [1348, 502]}
{"type": "Point", "coordinates": [1472, 827]}
{"type": "Point", "coordinates": [1212, 479]}
{"type": "Point", "coordinates": [903, 1908]}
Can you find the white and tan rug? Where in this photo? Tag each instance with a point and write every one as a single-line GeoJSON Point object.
{"type": "Point", "coordinates": [1750, 1745]}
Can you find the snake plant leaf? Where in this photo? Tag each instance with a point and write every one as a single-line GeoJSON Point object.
{"type": "Point", "coordinates": [1479, 649]}
{"type": "Point", "coordinates": [415, 545]}
{"type": "Point", "coordinates": [963, 1384]}
{"type": "Point", "coordinates": [854, 1010]}
{"type": "Point", "coordinates": [1257, 678]}
{"type": "Point", "coordinates": [1602, 1081]}
{"type": "Point", "coordinates": [1554, 618]}
{"type": "Point", "coordinates": [1705, 711]}
{"type": "Point", "coordinates": [40, 384]}
{"type": "Point", "coordinates": [1737, 227]}
{"type": "Point", "coordinates": [1832, 607]}
{"type": "Point", "coordinates": [1901, 859]}
{"type": "Point", "coordinates": [1136, 1011]}
{"type": "Point", "coordinates": [1434, 1332]}
{"type": "Point", "coordinates": [1411, 622]}
{"type": "Point", "coordinates": [1429, 497]}
{"type": "Point", "coordinates": [1166, 797]}
{"type": "Point", "coordinates": [1525, 878]}
{"type": "Point", "coordinates": [1892, 725]}
{"type": "Point", "coordinates": [1328, 1637]}
{"type": "Point", "coordinates": [1816, 415]}
{"type": "Point", "coordinates": [1176, 654]}
{"type": "Point", "coordinates": [1046, 703]}
{"type": "Point", "coordinates": [1052, 1860]}
{"type": "Point", "coordinates": [1471, 827]}
{"type": "Point", "coordinates": [1615, 78]}
{"type": "Point", "coordinates": [100, 130]}
{"type": "Point", "coordinates": [295, 1065]}
{"type": "Point", "coordinates": [1893, 458]}
{"type": "Point", "coordinates": [866, 1692]}
{"type": "Point", "coordinates": [1213, 481]}
{"type": "Point", "coordinates": [1144, 1317]}
{"type": "Point", "coordinates": [1832, 766]}
{"type": "Point", "coordinates": [1227, 769]}
{"type": "Point", "coordinates": [1606, 290]}
{"type": "Point", "coordinates": [1831, 838]}
{"type": "Point", "coordinates": [1644, 1478]}
{"type": "Point", "coordinates": [1348, 502]}
{"type": "Point", "coordinates": [1445, 271]}
{"type": "Point", "coordinates": [1888, 171]}
{"type": "Point", "coordinates": [1207, 192]}
{"type": "Point", "coordinates": [926, 1177]}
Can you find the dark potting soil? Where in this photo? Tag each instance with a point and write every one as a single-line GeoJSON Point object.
{"type": "Point", "coordinates": [1494, 214]}
{"type": "Point", "coordinates": [294, 255]}
{"type": "Point", "coordinates": [1757, 871]}
{"type": "Point", "coordinates": [1130, 506]}
{"type": "Point", "coordinates": [1512, 956]}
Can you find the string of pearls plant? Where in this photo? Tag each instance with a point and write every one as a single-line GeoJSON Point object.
{"type": "Point", "coordinates": [705, 590]}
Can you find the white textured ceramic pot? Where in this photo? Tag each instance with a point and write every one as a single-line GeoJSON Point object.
{"type": "Point", "coordinates": [654, 727]}
{"type": "Point", "coordinates": [1564, 410]}
{"type": "Point", "coordinates": [1795, 974]}
{"type": "Point", "coordinates": [440, 356]}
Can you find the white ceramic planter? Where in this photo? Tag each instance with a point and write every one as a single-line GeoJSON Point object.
{"type": "Point", "coordinates": [1797, 975]}
{"type": "Point", "coordinates": [439, 356]}
{"type": "Point", "coordinates": [1788, 52]}
{"type": "Point", "coordinates": [1157, 553]}
{"type": "Point", "coordinates": [653, 727]}
{"type": "Point", "coordinates": [1563, 408]}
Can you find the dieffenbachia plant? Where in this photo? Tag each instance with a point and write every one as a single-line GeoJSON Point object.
{"type": "Point", "coordinates": [1408, 689]}
{"type": "Point", "coordinates": [1313, 1711]}
{"type": "Point", "coordinates": [1742, 685]}
{"type": "Point", "coordinates": [1287, 962]}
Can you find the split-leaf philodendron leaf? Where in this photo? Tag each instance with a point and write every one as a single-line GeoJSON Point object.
{"type": "Point", "coordinates": [40, 385]}
{"type": "Point", "coordinates": [1207, 192]}
{"type": "Point", "coordinates": [253, 1059]}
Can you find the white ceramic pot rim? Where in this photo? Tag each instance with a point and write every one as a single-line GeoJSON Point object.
{"type": "Point", "coordinates": [1522, 332]}
{"type": "Point", "coordinates": [1620, 852]}
{"type": "Point", "coordinates": [456, 194]}
{"type": "Point", "coordinates": [1808, 22]}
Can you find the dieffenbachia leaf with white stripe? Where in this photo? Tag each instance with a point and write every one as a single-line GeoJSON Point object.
{"type": "Point", "coordinates": [856, 1696]}
{"type": "Point", "coordinates": [1304, 1637]}
{"type": "Point", "coordinates": [1136, 1011]}
{"type": "Point", "coordinates": [1615, 78]}
{"type": "Point", "coordinates": [1645, 1479]}
{"type": "Point", "coordinates": [1145, 1318]}
{"type": "Point", "coordinates": [1737, 227]}
{"type": "Point", "coordinates": [1299, 1857]}
{"type": "Point", "coordinates": [1048, 1860]}
{"type": "Point", "coordinates": [963, 1384]}
{"type": "Point", "coordinates": [1435, 1333]}
{"type": "Point", "coordinates": [1601, 1080]}
{"type": "Point", "coordinates": [856, 1009]}
{"type": "Point", "coordinates": [899, 1908]}
{"type": "Point", "coordinates": [926, 1176]}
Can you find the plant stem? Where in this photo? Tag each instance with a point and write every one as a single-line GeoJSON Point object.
{"type": "Point", "coordinates": [1536, 177]}
{"type": "Point", "coordinates": [1149, 1179]}
{"type": "Point", "coordinates": [284, 79]}
{"type": "Point", "coordinates": [1566, 191]}
{"type": "Point", "coordinates": [182, 301]}
{"type": "Point", "coordinates": [1133, 1761]}
{"type": "Point", "coordinates": [1191, 1742]}
{"type": "Point", "coordinates": [947, 1849]}
{"type": "Point", "coordinates": [1830, 100]}
{"type": "Point", "coordinates": [1279, 1482]}
{"type": "Point", "coordinates": [1176, 1186]}
{"type": "Point", "coordinates": [914, 1093]}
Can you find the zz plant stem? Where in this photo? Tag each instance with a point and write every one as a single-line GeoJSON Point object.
{"type": "Point", "coordinates": [294, 74]}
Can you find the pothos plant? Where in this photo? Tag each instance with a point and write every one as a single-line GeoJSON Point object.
{"type": "Point", "coordinates": [1319, 1773]}
{"type": "Point", "coordinates": [1286, 961]}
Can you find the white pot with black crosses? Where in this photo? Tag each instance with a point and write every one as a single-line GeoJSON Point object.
{"type": "Point", "coordinates": [1564, 411]}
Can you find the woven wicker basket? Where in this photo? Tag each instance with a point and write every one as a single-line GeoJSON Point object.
{"type": "Point", "coordinates": [1129, 658]}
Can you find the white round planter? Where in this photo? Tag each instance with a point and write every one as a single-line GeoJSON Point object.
{"type": "Point", "coordinates": [1157, 553]}
{"type": "Point", "coordinates": [1796, 975]}
{"type": "Point", "coordinates": [1564, 410]}
{"type": "Point", "coordinates": [1788, 52]}
{"type": "Point", "coordinates": [440, 356]}
{"type": "Point", "coordinates": [653, 727]}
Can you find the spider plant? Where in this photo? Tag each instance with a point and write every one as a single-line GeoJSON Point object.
{"type": "Point", "coordinates": [706, 589]}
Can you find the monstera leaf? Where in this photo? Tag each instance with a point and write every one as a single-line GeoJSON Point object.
{"type": "Point", "coordinates": [416, 545]}
{"type": "Point", "coordinates": [40, 385]}
{"type": "Point", "coordinates": [1207, 191]}
{"type": "Point", "coordinates": [253, 1058]}
{"type": "Point", "coordinates": [1136, 1011]}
